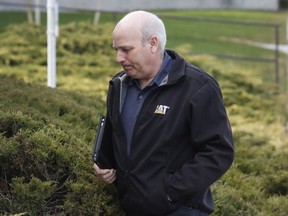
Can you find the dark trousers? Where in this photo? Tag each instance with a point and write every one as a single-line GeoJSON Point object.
{"type": "Point", "coordinates": [187, 211]}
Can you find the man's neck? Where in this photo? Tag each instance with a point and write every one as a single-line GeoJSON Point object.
{"type": "Point", "coordinates": [143, 83]}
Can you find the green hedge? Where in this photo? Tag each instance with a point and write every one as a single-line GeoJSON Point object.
{"type": "Point", "coordinates": [45, 153]}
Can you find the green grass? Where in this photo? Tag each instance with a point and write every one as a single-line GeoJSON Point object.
{"type": "Point", "coordinates": [7, 18]}
{"type": "Point", "coordinates": [217, 38]}
{"type": "Point", "coordinates": [244, 15]}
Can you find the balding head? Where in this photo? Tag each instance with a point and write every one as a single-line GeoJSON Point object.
{"type": "Point", "coordinates": [146, 24]}
{"type": "Point", "coordinates": [139, 40]}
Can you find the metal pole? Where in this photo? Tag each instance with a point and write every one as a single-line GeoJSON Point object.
{"type": "Point", "coordinates": [52, 28]}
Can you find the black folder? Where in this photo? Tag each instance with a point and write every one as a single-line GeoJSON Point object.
{"type": "Point", "coordinates": [102, 153]}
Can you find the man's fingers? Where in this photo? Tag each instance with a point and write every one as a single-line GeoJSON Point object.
{"type": "Point", "coordinates": [110, 177]}
{"type": "Point", "coordinates": [107, 175]}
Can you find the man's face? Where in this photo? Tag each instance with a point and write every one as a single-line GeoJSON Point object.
{"type": "Point", "coordinates": [134, 56]}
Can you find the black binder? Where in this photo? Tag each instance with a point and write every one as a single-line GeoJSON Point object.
{"type": "Point", "coordinates": [101, 152]}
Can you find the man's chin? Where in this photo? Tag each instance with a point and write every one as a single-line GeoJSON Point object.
{"type": "Point", "coordinates": [130, 73]}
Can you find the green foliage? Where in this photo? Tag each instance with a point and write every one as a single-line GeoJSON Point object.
{"type": "Point", "coordinates": [47, 134]}
{"type": "Point", "coordinates": [30, 196]}
{"type": "Point", "coordinates": [277, 184]}
{"type": "Point", "coordinates": [45, 151]}
{"type": "Point", "coordinates": [86, 199]}
{"type": "Point", "coordinates": [276, 205]}
{"type": "Point", "coordinates": [84, 52]}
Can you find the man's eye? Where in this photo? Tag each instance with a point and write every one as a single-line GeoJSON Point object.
{"type": "Point", "coordinates": [126, 50]}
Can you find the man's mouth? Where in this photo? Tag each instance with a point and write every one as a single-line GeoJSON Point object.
{"type": "Point", "coordinates": [127, 67]}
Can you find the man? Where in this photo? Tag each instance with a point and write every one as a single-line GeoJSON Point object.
{"type": "Point", "coordinates": [167, 125]}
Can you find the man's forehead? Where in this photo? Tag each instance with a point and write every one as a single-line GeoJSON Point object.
{"type": "Point", "coordinates": [121, 29]}
{"type": "Point", "coordinates": [126, 37]}
{"type": "Point", "coordinates": [122, 43]}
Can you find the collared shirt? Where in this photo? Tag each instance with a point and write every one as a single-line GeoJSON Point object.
{"type": "Point", "coordinates": [135, 97]}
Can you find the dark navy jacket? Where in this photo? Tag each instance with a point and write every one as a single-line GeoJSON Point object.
{"type": "Point", "coordinates": [181, 144]}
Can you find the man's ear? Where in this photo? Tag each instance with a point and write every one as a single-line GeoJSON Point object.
{"type": "Point", "coordinates": [154, 43]}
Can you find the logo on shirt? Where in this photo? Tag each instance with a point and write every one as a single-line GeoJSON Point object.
{"type": "Point", "coordinates": [161, 109]}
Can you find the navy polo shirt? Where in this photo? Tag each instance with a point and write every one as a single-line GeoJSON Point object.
{"type": "Point", "coordinates": [135, 97]}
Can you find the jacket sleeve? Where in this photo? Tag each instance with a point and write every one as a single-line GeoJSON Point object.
{"type": "Point", "coordinates": [211, 137]}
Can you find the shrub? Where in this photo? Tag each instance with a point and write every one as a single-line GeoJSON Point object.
{"type": "Point", "coordinates": [30, 197]}
{"type": "Point", "coordinates": [277, 184]}
{"type": "Point", "coordinates": [45, 152]}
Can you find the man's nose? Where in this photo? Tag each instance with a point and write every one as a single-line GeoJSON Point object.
{"type": "Point", "coordinates": [119, 57]}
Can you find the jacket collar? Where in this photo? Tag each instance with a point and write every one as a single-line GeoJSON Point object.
{"type": "Point", "coordinates": [177, 70]}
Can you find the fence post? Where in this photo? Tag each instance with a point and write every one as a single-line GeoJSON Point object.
{"type": "Point", "coordinates": [52, 33]}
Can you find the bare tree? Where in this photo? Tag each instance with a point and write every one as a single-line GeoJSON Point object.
{"type": "Point", "coordinates": [37, 12]}
{"type": "Point", "coordinates": [29, 11]}
{"type": "Point", "coordinates": [97, 13]}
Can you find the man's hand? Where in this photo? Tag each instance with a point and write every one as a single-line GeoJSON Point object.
{"type": "Point", "coordinates": [107, 175]}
